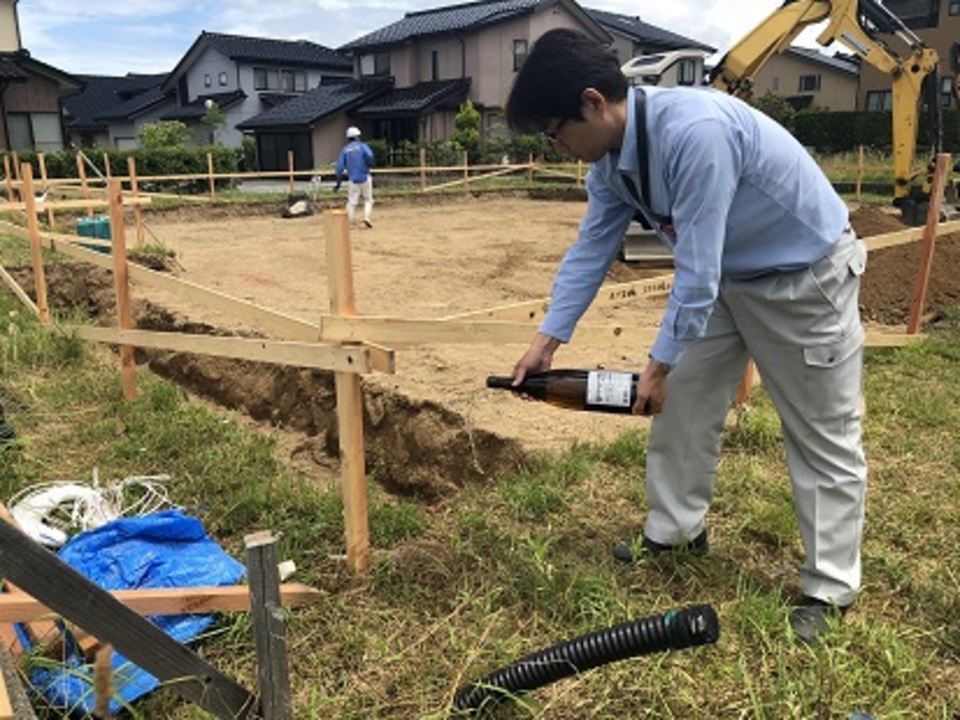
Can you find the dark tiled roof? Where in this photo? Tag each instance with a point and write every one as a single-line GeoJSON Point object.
{"type": "Point", "coordinates": [105, 96]}
{"type": "Point", "coordinates": [197, 108]}
{"type": "Point", "coordinates": [416, 99]}
{"type": "Point", "coordinates": [10, 71]}
{"type": "Point", "coordinates": [644, 33]}
{"type": "Point", "coordinates": [445, 20]}
{"type": "Point", "coordinates": [284, 52]}
{"type": "Point", "coordinates": [325, 100]}
{"type": "Point", "coordinates": [812, 55]}
{"type": "Point", "coordinates": [20, 61]}
{"type": "Point", "coordinates": [138, 104]}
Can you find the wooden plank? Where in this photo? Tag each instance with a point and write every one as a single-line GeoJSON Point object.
{"type": "Point", "coordinates": [121, 285]}
{"type": "Point", "coordinates": [353, 474]}
{"type": "Point", "coordinates": [21, 607]}
{"type": "Point", "coordinates": [64, 590]}
{"type": "Point", "coordinates": [18, 291]}
{"type": "Point", "coordinates": [394, 331]}
{"type": "Point", "coordinates": [269, 632]}
{"type": "Point", "coordinates": [929, 241]}
{"type": "Point", "coordinates": [33, 230]}
{"type": "Point", "coordinates": [6, 706]}
{"type": "Point", "coordinates": [355, 358]}
{"type": "Point", "coordinates": [73, 204]}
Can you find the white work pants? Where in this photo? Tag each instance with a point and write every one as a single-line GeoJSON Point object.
{"type": "Point", "coordinates": [803, 331]}
{"type": "Point", "coordinates": [355, 191]}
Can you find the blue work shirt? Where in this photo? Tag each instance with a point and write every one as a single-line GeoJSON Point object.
{"type": "Point", "coordinates": [744, 198]}
{"type": "Point", "coordinates": [356, 158]}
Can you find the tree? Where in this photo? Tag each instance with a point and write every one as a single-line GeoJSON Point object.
{"type": "Point", "coordinates": [213, 120]}
{"type": "Point", "coordinates": [467, 130]}
{"type": "Point", "coordinates": [163, 134]}
{"type": "Point", "coordinates": [776, 107]}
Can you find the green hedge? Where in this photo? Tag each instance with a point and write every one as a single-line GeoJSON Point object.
{"type": "Point", "coordinates": [830, 132]}
{"type": "Point", "coordinates": [167, 161]}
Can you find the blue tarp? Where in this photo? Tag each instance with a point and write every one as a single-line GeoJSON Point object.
{"type": "Point", "coordinates": [164, 549]}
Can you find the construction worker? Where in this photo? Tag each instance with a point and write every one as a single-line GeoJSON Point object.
{"type": "Point", "coordinates": [767, 266]}
{"type": "Point", "coordinates": [356, 158]}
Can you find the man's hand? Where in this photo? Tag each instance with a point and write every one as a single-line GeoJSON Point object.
{"type": "Point", "coordinates": [537, 358]}
{"type": "Point", "coordinates": [652, 390]}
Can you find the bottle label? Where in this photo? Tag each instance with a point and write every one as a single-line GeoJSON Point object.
{"type": "Point", "coordinates": [612, 389]}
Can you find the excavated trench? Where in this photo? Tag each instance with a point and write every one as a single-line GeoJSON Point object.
{"type": "Point", "coordinates": [413, 447]}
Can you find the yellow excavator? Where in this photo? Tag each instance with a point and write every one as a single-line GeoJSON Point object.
{"type": "Point", "coordinates": [857, 24]}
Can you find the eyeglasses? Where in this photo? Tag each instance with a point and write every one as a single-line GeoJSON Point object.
{"type": "Point", "coordinates": [551, 135]}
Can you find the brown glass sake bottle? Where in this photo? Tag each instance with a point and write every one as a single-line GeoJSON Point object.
{"type": "Point", "coordinates": [607, 391]}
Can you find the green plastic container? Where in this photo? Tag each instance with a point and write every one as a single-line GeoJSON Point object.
{"type": "Point", "coordinates": [98, 227]}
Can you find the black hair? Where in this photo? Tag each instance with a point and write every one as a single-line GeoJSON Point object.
{"type": "Point", "coordinates": [560, 66]}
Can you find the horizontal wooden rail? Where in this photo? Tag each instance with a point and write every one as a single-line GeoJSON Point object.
{"type": "Point", "coordinates": [21, 607]}
{"type": "Point", "coordinates": [355, 358]}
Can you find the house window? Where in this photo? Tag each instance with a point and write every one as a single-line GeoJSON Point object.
{"type": "Point", "coordinates": [880, 100]}
{"type": "Point", "coordinates": [35, 131]}
{"type": "Point", "coordinates": [434, 65]}
{"type": "Point", "coordinates": [18, 129]}
{"type": "Point", "coordinates": [266, 79]}
{"type": "Point", "coordinates": [809, 83]}
{"type": "Point", "coordinates": [955, 7]}
{"type": "Point", "coordinates": [291, 81]}
{"type": "Point", "coordinates": [687, 72]}
{"type": "Point", "coordinates": [375, 64]}
{"type": "Point", "coordinates": [223, 79]}
{"type": "Point", "coordinates": [519, 54]}
{"type": "Point", "coordinates": [946, 91]}
{"type": "Point", "coordinates": [207, 80]}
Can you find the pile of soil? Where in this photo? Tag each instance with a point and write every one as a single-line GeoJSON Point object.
{"type": "Point", "coordinates": [432, 426]}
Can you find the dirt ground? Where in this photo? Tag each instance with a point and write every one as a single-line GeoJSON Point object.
{"type": "Point", "coordinates": [433, 425]}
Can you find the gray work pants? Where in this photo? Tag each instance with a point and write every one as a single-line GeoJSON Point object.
{"type": "Point", "coordinates": [803, 331]}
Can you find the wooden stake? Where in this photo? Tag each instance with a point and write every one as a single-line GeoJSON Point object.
{"type": "Point", "coordinates": [269, 633]}
{"type": "Point", "coordinates": [135, 191]}
{"type": "Point", "coordinates": [39, 277]}
{"type": "Point", "coordinates": [43, 179]}
{"type": "Point", "coordinates": [747, 381]}
{"type": "Point", "coordinates": [121, 281]}
{"type": "Point", "coordinates": [929, 241]}
{"type": "Point", "coordinates": [82, 174]}
{"type": "Point", "coordinates": [290, 168]}
{"type": "Point", "coordinates": [210, 177]}
{"type": "Point", "coordinates": [349, 400]}
{"type": "Point", "coordinates": [466, 171]}
{"type": "Point", "coordinates": [860, 173]}
{"type": "Point", "coordinates": [8, 176]}
{"type": "Point", "coordinates": [423, 169]}
{"type": "Point", "coordinates": [106, 166]}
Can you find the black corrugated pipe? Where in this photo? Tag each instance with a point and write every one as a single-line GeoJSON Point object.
{"type": "Point", "coordinates": [674, 630]}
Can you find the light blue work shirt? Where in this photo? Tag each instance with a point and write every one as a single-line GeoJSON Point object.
{"type": "Point", "coordinates": [745, 199]}
{"type": "Point", "coordinates": [356, 158]}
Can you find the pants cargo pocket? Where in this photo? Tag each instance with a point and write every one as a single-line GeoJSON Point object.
{"type": "Point", "coordinates": [832, 376]}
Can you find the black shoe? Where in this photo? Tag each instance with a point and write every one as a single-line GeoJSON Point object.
{"type": "Point", "coordinates": [812, 618]}
{"type": "Point", "coordinates": [623, 551]}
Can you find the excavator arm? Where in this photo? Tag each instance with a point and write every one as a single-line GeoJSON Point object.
{"type": "Point", "coordinates": [856, 24]}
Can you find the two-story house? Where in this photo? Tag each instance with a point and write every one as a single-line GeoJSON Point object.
{"type": "Point", "coordinates": [245, 76]}
{"type": "Point", "coordinates": [414, 74]}
{"type": "Point", "coordinates": [30, 91]}
{"type": "Point", "coordinates": [808, 79]}
{"type": "Point", "coordinates": [635, 39]}
{"type": "Point", "coordinates": [937, 24]}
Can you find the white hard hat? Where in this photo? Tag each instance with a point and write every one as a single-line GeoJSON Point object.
{"type": "Point", "coordinates": [353, 132]}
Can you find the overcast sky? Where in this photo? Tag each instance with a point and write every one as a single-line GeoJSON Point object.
{"type": "Point", "coordinates": [110, 37]}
